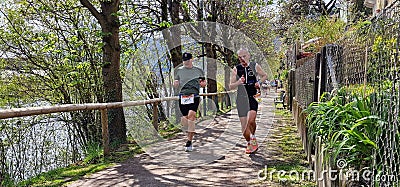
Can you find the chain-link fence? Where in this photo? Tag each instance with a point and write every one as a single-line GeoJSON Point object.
{"type": "Point", "coordinates": [368, 57]}
{"type": "Point", "coordinates": [383, 71]}
{"type": "Point", "coordinates": [304, 81]}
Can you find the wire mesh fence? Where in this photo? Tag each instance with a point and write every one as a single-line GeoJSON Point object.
{"type": "Point", "coordinates": [367, 57]}
{"type": "Point", "coordinates": [384, 76]}
{"type": "Point", "coordinates": [304, 80]}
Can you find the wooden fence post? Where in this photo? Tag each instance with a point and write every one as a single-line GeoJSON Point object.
{"type": "Point", "coordinates": [204, 106]}
{"type": "Point", "coordinates": [291, 87]}
{"type": "Point", "coordinates": [222, 98]}
{"type": "Point", "coordinates": [318, 162]}
{"type": "Point", "coordinates": [155, 115]}
{"type": "Point", "coordinates": [104, 127]}
{"type": "Point", "coordinates": [317, 77]}
{"type": "Point", "coordinates": [323, 71]}
{"type": "Point", "coordinates": [213, 101]}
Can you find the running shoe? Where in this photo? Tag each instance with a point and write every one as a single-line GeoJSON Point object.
{"type": "Point", "coordinates": [249, 149]}
{"type": "Point", "coordinates": [254, 144]}
{"type": "Point", "coordinates": [188, 146]}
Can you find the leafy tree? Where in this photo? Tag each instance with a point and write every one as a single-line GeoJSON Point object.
{"type": "Point", "coordinates": [108, 18]}
{"type": "Point", "coordinates": [53, 60]}
{"type": "Point", "coordinates": [359, 11]}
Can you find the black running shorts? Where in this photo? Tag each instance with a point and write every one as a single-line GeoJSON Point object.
{"type": "Point", "coordinates": [245, 104]}
{"type": "Point", "coordinates": [185, 108]}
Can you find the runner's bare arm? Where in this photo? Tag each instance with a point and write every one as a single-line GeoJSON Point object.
{"type": "Point", "coordinates": [261, 73]}
{"type": "Point", "coordinates": [203, 83]}
{"type": "Point", "coordinates": [233, 82]}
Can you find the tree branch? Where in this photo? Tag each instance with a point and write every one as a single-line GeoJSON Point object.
{"type": "Point", "coordinates": [333, 2]}
{"type": "Point", "coordinates": [92, 10]}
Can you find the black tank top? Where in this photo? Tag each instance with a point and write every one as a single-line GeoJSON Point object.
{"type": "Point", "coordinates": [250, 75]}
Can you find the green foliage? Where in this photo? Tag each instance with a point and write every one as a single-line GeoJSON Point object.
{"type": "Point", "coordinates": [359, 11]}
{"type": "Point", "coordinates": [346, 126]}
{"type": "Point", "coordinates": [382, 55]}
{"type": "Point", "coordinates": [59, 67]}
{"type": "Point", "coordinates": [165, 24]}
{"type": "Point", "coordinates": [364, 90]}
{"type": "Point", "coordinates": [291, 153]}
{"type": "Point", "coordinates": [363, 26]}
{"type": "Point", "coordinates": [93, 153]}
{"type": "Point", "coordinates": [7, 180]}
{"type": "Point", "coordinates": [62, 176]}
{"type": "Point", "coordinates": [284, 75]}
{"type": "Point", "coordinates": [329, 29]}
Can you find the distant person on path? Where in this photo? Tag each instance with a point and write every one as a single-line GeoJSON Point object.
{"type": "Point", "coordinates": [266, 87]}
{"type": "Point", "coordinates": [189, 79]}
{"type": "Point", "coordinates": [244, 78]}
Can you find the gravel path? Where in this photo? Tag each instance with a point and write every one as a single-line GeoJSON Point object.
{"type": "Point", "coordinates": [218, 159]}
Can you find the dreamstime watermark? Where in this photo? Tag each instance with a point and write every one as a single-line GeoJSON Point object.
{"type": "Point", "coordinates": [341, 172]}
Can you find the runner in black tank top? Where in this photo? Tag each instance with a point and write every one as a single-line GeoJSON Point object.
{"type": "Point", "coordinates": [244, 78]}
{"type": "Point", "coordinates": [250, 75]}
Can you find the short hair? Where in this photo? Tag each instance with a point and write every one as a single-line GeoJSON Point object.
{"type": "Point", "coordinates": [243, 49]}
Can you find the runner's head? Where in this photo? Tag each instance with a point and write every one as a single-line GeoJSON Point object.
{"type": "Point", "coordinates": [187, 57]}
{"type": "Point", "coordinates": [244, 56]}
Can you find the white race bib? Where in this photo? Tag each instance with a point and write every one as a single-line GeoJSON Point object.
{"type": "Point", "coordinates": [187, 99]}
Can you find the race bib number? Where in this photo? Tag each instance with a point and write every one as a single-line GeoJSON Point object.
{"type": "Point", "coordinates": [187, 99]}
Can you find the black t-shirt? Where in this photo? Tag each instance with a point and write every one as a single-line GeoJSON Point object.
{"type": "Point", "coordinates": [250, 75]}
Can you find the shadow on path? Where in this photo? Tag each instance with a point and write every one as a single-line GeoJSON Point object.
{"type": "Point", "coordinates": [229, 167]}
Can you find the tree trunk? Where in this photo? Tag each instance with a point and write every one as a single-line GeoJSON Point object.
{"type": "Point", "coordinates": [211, 68]}
{"type": "Point", "coordinates": [112, 79]}
{"type": "Point", "coordinates": [211, 54]}
{"type": "Point", "coordinates": [112, 82]}
{"type": "Point", "coordinates": [173, 40]}
{"type": "Point", "coordinates": [211, 72]}
{"type": "Point", "coordinates": [228, 54]}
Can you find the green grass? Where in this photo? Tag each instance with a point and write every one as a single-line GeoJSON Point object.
{"type": "Point", "coordinates": [294, 157]}
{"type": "Point", "coordinates": [96, 162]}
{"type": "Point", "coordinates": [63, 176]}
{"type": "Point", "coordinates": [285, 114]}
{"type": "Point", "coordinates": [169, 130]}
{"type": "Point", "coordinates": [291, 145]}
{"type": "Point", "coordinates": [291, 151]}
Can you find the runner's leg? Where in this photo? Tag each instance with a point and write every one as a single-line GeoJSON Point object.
{"type": "Point", "coordinates": [251, 121]}
{"type": "Point", "coordinates": [191, 124]}
{"type": "Point", "coordinates": [245, 129]}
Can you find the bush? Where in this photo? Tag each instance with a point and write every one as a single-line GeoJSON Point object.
{"type": "Point", "coordinates": [346, 126]}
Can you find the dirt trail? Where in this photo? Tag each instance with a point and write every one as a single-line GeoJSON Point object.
{"type": "Point", "coordinates": [174, 167]}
